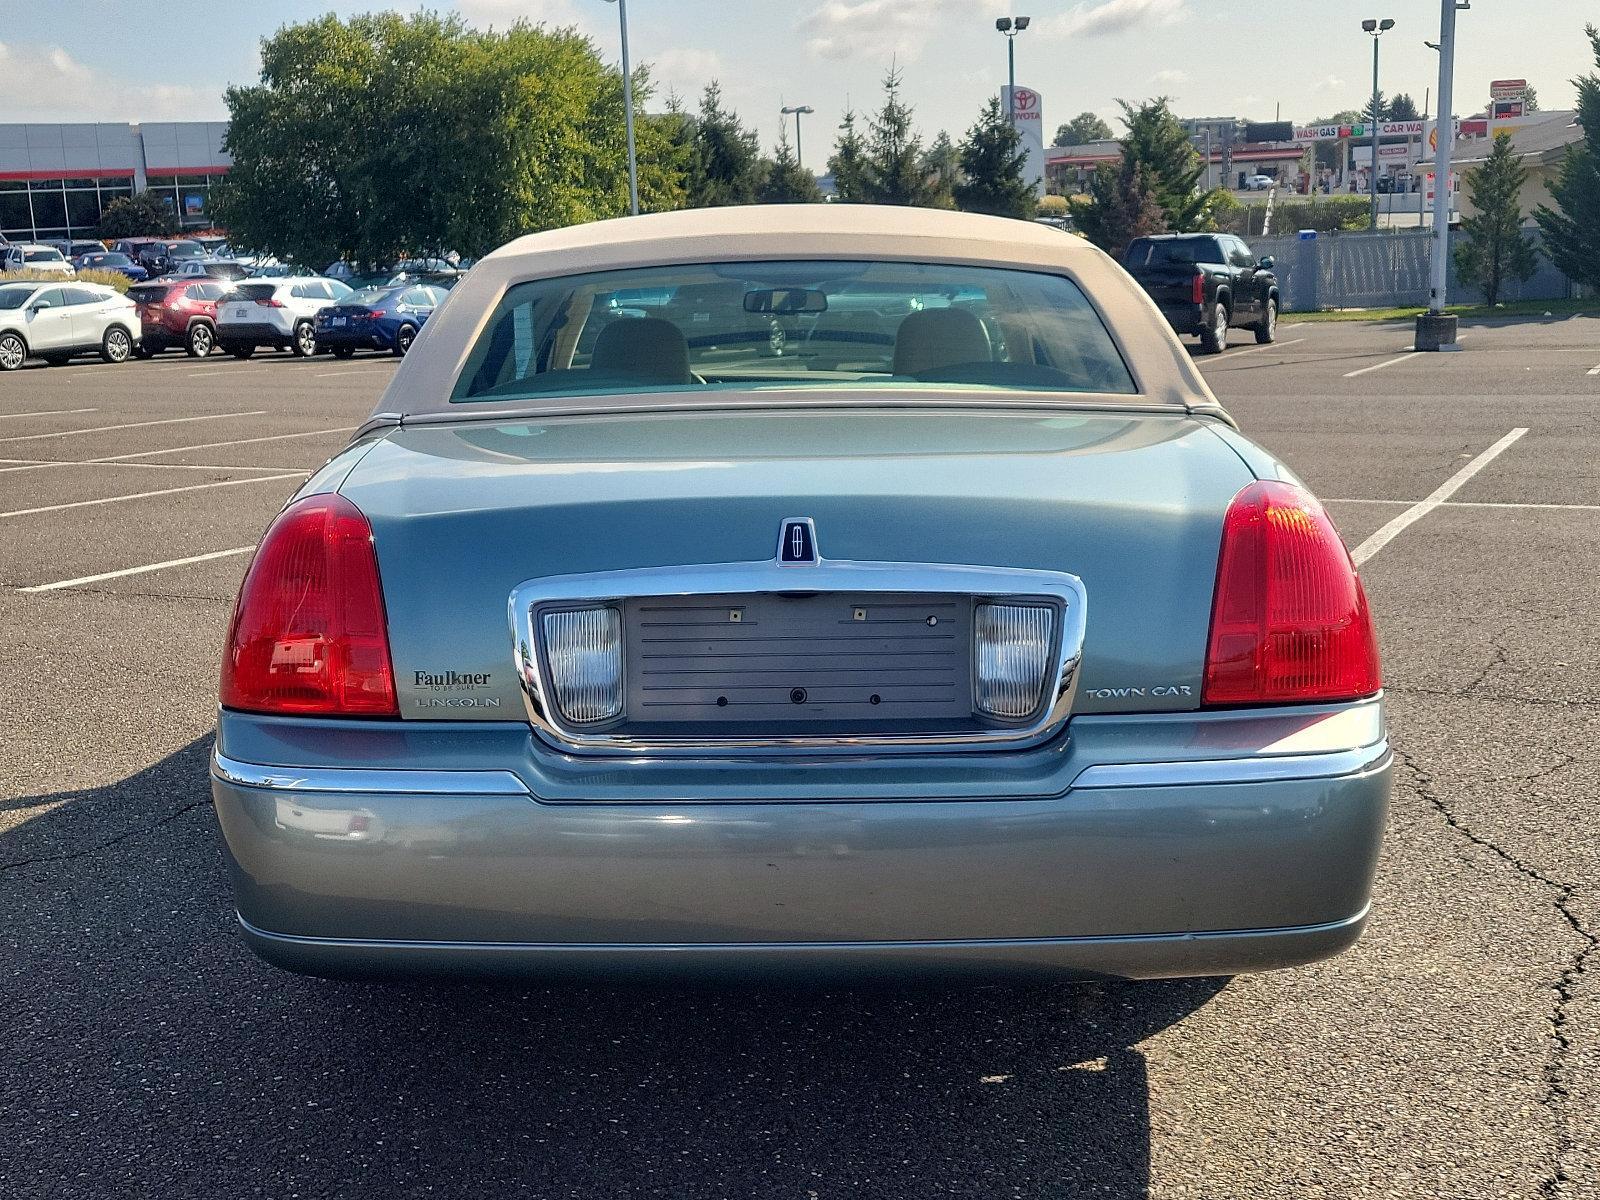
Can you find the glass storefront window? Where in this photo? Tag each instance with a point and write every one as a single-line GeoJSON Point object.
{"type": "Point", "coordinates": [83, 210]}
{"type": "Point", "coordinates": [77, 183]}
{"type": "Point", "coordinates": [13, 185]}
{"type": "Point", "coordinates": [16, 220]}
{"type": "Point", "coordinates": [44, 185]}
{"type": "Point", "coordinates": [49, 209]}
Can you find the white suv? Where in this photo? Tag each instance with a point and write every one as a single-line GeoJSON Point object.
{"type": "Point", "coordinates": [55, 321]}
{"type": "Point", "coordinates": [25, 256]}
{"type": "Point", "coordinates": [274, 312]}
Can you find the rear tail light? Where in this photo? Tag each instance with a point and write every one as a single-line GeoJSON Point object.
{"type": "Point", "coordinates": [309, 633]}
{"type": "Point", "coordinates": [1289, 620]}
{"type": "Point", "coordinates": [1198, 293]}
{"type": "Point", "coordinates": [584, 649]}
{"type": "Point", "coordinates": [270, 302]}
{"type": "Point", "coordinates": [1013, 644]}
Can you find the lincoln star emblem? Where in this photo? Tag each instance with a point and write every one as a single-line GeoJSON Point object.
{"type": "Point", "coordinates": [797, 541]}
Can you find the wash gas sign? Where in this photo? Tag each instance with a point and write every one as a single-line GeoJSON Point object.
{"type": "Point", "coordinates": [1027, 114]}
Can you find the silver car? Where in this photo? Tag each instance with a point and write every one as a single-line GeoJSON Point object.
{"type": "Point", "coordinates": [962, 631]}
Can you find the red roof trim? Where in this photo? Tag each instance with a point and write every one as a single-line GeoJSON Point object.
{"type": "Point", "coordinates": [81, 173]}
{"type": "Point", "coordinates": [185, 171]}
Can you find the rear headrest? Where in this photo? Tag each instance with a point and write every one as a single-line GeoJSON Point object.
{"type": "Point", "coordinates": [646, 348]}
{"type": "Point", "coordinates": [939, 337]}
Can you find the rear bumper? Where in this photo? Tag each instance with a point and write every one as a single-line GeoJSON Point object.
{"type": "Point", "coordinates": [1183, 863]}
{"type": "Point", "coordinates": [362, 339]}
{"type": "Point", "coordinates": [254, 333]}
{"type": "Point", "coordinates": [1185, 318]}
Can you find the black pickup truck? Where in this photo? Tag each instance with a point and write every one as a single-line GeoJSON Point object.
{"type": "Point", "coordinates": [1207, 283]}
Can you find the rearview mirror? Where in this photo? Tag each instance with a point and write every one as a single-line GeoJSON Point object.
{"type": "Point", "coordinates": [785, 302]}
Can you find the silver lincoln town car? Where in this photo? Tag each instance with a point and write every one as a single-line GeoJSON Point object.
{"type": "Point", "coordinates": [801, 587]}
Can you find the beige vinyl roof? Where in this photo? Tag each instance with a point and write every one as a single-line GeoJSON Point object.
{"type": "Point", "coordinates": [422, 385]}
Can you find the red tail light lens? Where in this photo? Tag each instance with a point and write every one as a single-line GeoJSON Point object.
{"type": "Point", "coordinates": [270, 302]}
{"type": "Point", "coordinates": [1199, 290]}
{"type": "Point", "coordinates": [309, 633]}
{"type": "Point", "coordinates": [1289, 620]}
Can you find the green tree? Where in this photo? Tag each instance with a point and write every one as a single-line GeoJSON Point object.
{"type": "Point", "coordinates": [1085, 127]}
{"type": "Point", "coordinates": [848, 162]}
{"type": "Point", "coordinates": [992, 166]}
{"type": "Point", "coordinates": [1369, 114]}
{"type": "Point", "coordinates": [1403, 108]}
{"type": "Point", "coordinates": [942, 164]}
{"type": "Point", "coordinates": [1122, 205]}
{"type": "Point", "coordinates": [1530, 99]}
{"type": "Point", "coordinates": [725, 165]}
{"type": "Point", "coordinates": [1572, 228]}
{"type": "Point", "coordinates": [787, 182]}
{"type": "Point", "coordinates": [1158, 142]}
{"type": "Point", "coordinates": [389, 134]}
{"type": "Point", "coordinates": [1496, 249]}
{"type": "Point", "coordinates": [140, 215]}
{"type": "Point", "coordinates": [894, 172]}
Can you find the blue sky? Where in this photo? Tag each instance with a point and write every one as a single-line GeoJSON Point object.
{"type": "Point", "coordinates": [87, 60]}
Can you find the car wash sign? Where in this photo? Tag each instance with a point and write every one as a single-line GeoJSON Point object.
{"type": "Point", "coordinates": [1027, 118]}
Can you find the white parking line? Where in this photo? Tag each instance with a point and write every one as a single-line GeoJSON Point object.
{"type": "Point", "coordinates": [160, 566]}
{"type": "Point", "coordinates": [276, 437]}
{"type": "Point", "coordinates": [40, 464]}
{"type": "Point", "coordinates": [1593, 371]}
{"type": "Point", "coordinates": [1411, 352]}
{"type": "Point", "coordinates": [1438, 496]}
{"type": "Point", "coordinates": [193, 487]}
{"type": "Point", "coordinates": [47, 412]}
{"type": "Point", "coordinates": [32, 437]}
{"type": "Point", "coordinates": [1475, 504]}
{"type": "Point", "coordinates": [1230, 355]}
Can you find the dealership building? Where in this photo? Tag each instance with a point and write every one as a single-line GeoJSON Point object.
{"type": "Point", "coordinates": [55, 180]}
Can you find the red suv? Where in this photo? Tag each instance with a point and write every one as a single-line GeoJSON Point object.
{"type": "Point", "coordinates": [178, 312]}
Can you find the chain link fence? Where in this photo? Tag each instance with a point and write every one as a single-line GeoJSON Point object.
{"type": "Point", "coordinates": [1380, 270]}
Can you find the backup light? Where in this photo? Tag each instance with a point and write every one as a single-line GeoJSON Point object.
{"type": "Point", "coordinates": [1013, 657]}
{"type": "Point", "coordinates": [309, 633]}
{"type": "Point", "coordinates": [1289, 619]}
{"type": "Point", "coordinates": [584, 649]}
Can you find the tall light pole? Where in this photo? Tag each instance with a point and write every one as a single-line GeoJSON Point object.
{"type": "Point", "coordinates": [627, 109]}
{"type": "Point", "coordinates": [1377, 29]}
{"type": "Point", "coordinates": [1011, 26]}
{"type": "Point", "coordinates": [1436, 330]}
{"type": "Point", "coordinates": [799, 111]}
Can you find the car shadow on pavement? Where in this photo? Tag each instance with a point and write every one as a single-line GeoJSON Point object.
{"type": "Point", "coordinates": [161, 1055]}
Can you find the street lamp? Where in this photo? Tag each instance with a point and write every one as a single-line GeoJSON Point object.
{"type": "Point", "coordinates": [1377, 29]}
{"type": "Point", "coordinates": [798, 110]}
{"type": "Point", "coordinates": [1011, 26]}
{"type": "Point", "coordinates": [627, 109]}
{"type": "Point", "coordinates": [1435, 329]}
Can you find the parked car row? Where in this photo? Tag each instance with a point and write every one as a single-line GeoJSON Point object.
{"type": "Point", "coordinates": [306, 315]}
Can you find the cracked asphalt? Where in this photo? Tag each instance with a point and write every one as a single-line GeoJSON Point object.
{"type": "Point", "coordinates": [1454, 1052]}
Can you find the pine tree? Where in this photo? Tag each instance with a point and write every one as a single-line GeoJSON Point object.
{"type": "Point", "coordinates": [942, 164]}
{"type": "Point", "coordinates": [725, 166]}
{"type": "Point", "coordinates": [1496, 249]}
{"type": "Point", "coordinates": [1158, 142]}
{"type": "Point", "coordinates": [894, 172]}
{"type": "Point", "coordinates": [1572, 234]}
{"type": "Point", "coordinates": [1122, 206]}
{"type": "Point", "coordinates": [1370, 115]}
{"type": "Point", "coordinates": [1403, 108]}
{"type": "Point", "coordinates": [848, 162]}
{"type": "Point", "coordinates": [787, 182]}
{"type": "Point", "coordinates": [1085, 127]}
{"type": "Point", "coordinates": [992, 166]}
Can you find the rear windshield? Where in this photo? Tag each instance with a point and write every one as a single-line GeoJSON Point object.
{"type": "Point", "coordinates": [254, 291]}
{"type": "Point", "coordinates": [1143, 252]}
{"type": "Point", "coordinates": [147, 293]}
{"type": "Point", "coordinates": [748, 326]}
{"type": "Point", "coordinates": [367, 296]}
{"type": "Point", "coordinates": [186, 250]}
{"type": "Point", "coordinates": [41, 256]}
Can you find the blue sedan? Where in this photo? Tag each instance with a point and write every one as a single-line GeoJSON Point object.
{"type": "Point", "coordinates": [379, 318]}
{"type": "Point", "coordinates": [108, 261]}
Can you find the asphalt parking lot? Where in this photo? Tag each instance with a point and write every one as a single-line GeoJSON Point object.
{"type": "Point", "coordinates": [1455, 1052]}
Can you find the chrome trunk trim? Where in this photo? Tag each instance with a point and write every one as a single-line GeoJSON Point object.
{"type": "Point", "coordinates": [825, 575]}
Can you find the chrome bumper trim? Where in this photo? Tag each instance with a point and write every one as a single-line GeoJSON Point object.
{"type": "Point", "coordinates": [364, 779]}
{"type": "Point", "coordinates": [1278, 769]}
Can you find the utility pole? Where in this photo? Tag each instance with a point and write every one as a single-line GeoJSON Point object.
{"type": "Point", "coordinates": [1377, 29]}
{"type": "Point", "coordinates": [1435, 329]}
{"type": "Point", "coordinates": [1011, 26]}
{"type": "Point", "coordinates": [627, 110]}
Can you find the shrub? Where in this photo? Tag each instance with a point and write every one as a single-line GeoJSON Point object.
{"type": "Point", "coordinates": [1052, 206]}
{"type": "Point", "coordinates": [113, 279]}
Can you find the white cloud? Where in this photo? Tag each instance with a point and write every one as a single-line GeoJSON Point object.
{"type": "Point", "coordinates": [498, 14]}
{"type": "Point", "coordinates": [1113, 16]}
{"type": "Point", "coordinates": [47, 83]}
{"type": "Point", "coordinates": [1169, 77]}
{"type": "Point", "coordinates": [1331, 83]}
{"type": "Point", "coordinates": [685, 70]}
{"type": "Point", "coordinates": [901, 29]}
